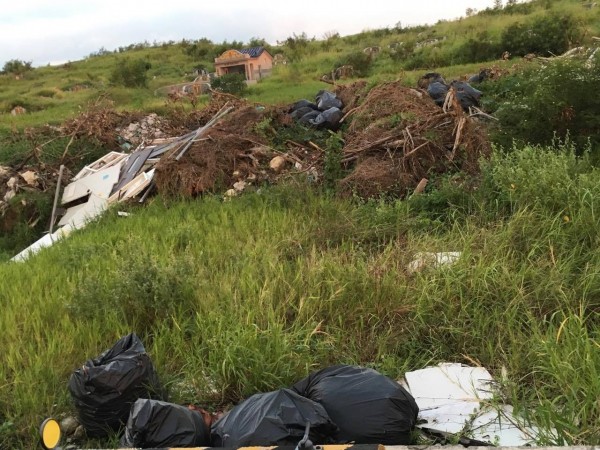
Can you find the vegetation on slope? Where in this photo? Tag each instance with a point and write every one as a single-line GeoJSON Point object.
{"type": "Point", "coordinates": [249, 295]}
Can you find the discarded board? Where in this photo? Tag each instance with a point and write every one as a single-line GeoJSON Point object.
{"type": "Point", "coordinates": [458, 400]}
{"type": "Point", "coordinates": [100, 184]}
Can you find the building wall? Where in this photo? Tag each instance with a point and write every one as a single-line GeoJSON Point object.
{"type": "Point", "coordinates": [256, 68]}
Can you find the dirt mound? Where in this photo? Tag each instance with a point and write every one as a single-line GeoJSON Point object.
{"type": "Point", "coordinates": [230, 151]}
{"type": "Point", "coordinates": [400, 133]}
{"type": "Point", "coordinates": [351, 94]}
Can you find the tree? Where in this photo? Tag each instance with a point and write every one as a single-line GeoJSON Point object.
{"type": "Point", "coordinates": [497, 4]}
{"type": "Point", "coordinates": [470, 11]}
{"type": "Point", "coordinates": [17, 67]}
{"type": "Point", "coordinates": [257, 42]}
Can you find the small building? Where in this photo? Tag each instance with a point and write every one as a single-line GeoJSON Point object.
{"type": "Point", "coordinates": [254, 63]}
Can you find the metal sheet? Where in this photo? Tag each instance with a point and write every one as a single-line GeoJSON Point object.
{"type": "Point", "coordinates": [133, 165]}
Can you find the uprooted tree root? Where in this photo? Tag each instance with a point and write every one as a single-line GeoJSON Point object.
{"type": "Point", "coordinates": [400, 133]}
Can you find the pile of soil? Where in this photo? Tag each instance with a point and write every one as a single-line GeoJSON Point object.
{"type": "Point", "coordinates": [237, 149]}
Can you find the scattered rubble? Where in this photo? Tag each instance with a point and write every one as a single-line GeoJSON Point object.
{"type": "Point", "coordinates": [146, 129]}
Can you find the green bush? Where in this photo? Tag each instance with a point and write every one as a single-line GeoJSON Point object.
{"type": "Point", "coordinates": [16, 67]}
{"type": "Point", "coordinates": [545, 35]}
{"type": "Point", "coordinates": [360, 62]}
{"type": "Point", "coordinates": [537, 105]}
{"type": "Point", "coordinates": [481, 48]}
{"type": "Point", "coordinates": [130, 73]}
{"type": "Point", "coordinates": [232, 83]}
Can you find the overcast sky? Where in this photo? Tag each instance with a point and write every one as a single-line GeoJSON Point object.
{"type": "Point", "coordinates": [55, 31]}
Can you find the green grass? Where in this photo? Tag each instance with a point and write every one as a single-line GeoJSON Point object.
{"type": "Point", "coordinates": [249, 295]}
{"type": "Point", "coordinates": [232, 298]}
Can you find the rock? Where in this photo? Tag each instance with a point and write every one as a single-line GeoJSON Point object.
{"type": "Point", "coordinates": [4, 171]}
{"type": "Point", "coordinates": [235, 174]}
{"type": "Point", "coordinates": [297, 166]}
{"type": "Point", "coordinates": [133, 127]}
{"type": "Point", "coordinates": [12, 183]}
{"type": "Point", "coordinates": [424, 260]}
{"type": "Point", "coordinates": [79, 433]}
{"type": "Point", "coordinates": [30, 177]}
{"type": "Point", "coordinates": [277, 163]}
{"type": "Point", "coordinates": [231, 193]}
{"type": "Point", "coordinates": [69, 425]}
{"type": "Point", "coordinates": [9, 195]}
{"type": "Point", "coordinates": [239, 186]}
{"type": "Point", "coordinates": [251, 177]}
{"type": "Point", "coordinates": [18, 110]}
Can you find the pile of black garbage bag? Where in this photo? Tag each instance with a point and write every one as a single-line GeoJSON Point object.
{"type": "Point", "coordinates": [437, 88]}
{"type": "Point", "coordinates": [324, 113]}
{"type": "Point", "coordinates": [119, 390]}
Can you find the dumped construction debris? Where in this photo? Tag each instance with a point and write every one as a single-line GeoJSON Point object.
{"type": "Point", "coordinates": [394, 137]}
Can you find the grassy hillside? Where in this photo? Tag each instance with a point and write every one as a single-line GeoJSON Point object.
{"type": "Point", "coordinates": [232, 298]}
{"type": "Point", "coordinates": [51, 94]}
{"type": "Point", "coordinates": [249, 295]}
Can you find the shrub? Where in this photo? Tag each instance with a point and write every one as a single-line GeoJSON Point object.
{"type": "Point", "coordinates": [17, 67]}
{"type": "Point", "coordinates": [130, 73]}
{"type": "Point", "coordinates": [552, 34]}
{"type": "Point", "coordinates": [232, 83]}
{"type": "Point", "coordinates": [553, 101]}
{"type": "Point", "coordinates": [481, 48]}
{"type": "Point", "coordinates": [360, 62]}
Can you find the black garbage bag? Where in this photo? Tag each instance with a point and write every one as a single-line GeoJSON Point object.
{"type": "Point", "coordinates": [298, 113]}
{"type": "Point", "coordinates": [480, 77]}
{"type": "Point", "coordinates": [437, 91]}
{"type": "Point", "coordinates": [153, 423]}
{"type": "Point", "coordinates": [104, 389]}
{"type": "Point", "coordinates": [467, 95]}
{"type": "Point", "coordinates": [329, 119]}
{"type": "Point", "coordinates": [274, 418]}
{"type": "Point", "coordinates": [428, 78]}
{"type": "Point", "coordinates": [306, 118]}
{"type": "Point", "coordinates": [326, 100]}
{"type": "Point", "coordinates": [302, 104]}
{"type": "Point", "coordinates": [368, 407]}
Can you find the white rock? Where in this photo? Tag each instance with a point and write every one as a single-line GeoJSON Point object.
{"type": "Point", "coordinates": [4, 171]}
{"type": "Point", "coordinates": [231, 193]}
{"type": "Point", "coordinates": [277, 163]}
{"type": "Point", "coordinates": [12, 183]}
{"type": "Point", "coordinates": [239, 186]}
{"type": "Point", "coordinates": [9, 195]}
{"type": "Point", "coordinates": [424, 260]}
{"type": "Point", "coordinates": [68, 425]}
{"type": "Point", "coordinates": [30, 177]}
